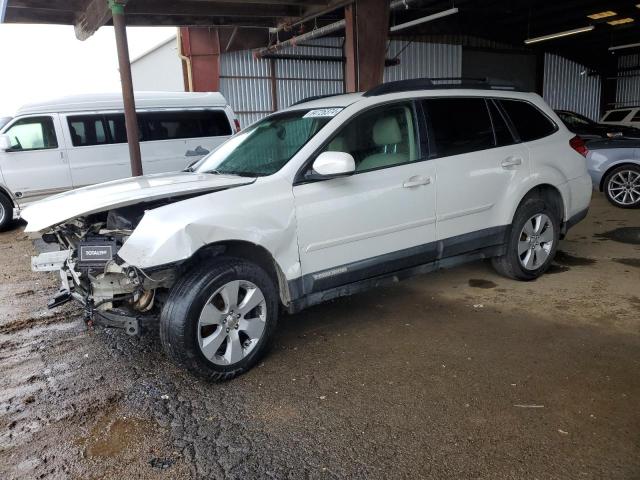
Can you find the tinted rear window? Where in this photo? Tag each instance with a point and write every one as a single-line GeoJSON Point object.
{"type": "Point", "coordinates": [529, 122]}
{"type": "Point", "coordinates": [89, 130]}
{"type": "Point", "coordinates": [459, 125]}
{"type": "Point", "coordinates": [616, 115]}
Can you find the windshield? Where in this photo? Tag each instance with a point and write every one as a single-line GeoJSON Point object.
{"type": "Point", "coordinates": [265, 147]}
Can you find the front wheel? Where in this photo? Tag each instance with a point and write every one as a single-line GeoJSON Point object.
{"type": "Point", "coordinates": [532, 242]}
{"type": "Point", "coordinates": [622, 186]}
{"type": "Point", "coordinates": [219, 318]}
{"type": "Point", "coordinates": [6, 213]}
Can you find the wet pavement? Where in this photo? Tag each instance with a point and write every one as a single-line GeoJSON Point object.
{"type": "Point", "coordinates": [456, 374]}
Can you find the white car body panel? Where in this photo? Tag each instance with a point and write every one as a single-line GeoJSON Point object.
{"type": "Point", "coordinates": [121, 193]}
{"type": "Point", "coordinates": [262, 214]}
{"type": "Point", "coordinates": [348, 219]}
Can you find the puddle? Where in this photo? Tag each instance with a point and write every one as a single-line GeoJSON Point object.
{"type": "Point", "coordinates": [623, 235]}
{"type": "Point", "coordinates": [554, 268]}
{"type": "Point", "coordinates": [481, 283]}
{"type": "Point", "coordinates": [631, 262]}
{"type": "Point", "coordinates": [568, 260]}
{"type": "Point", "coordinates": [111, 437]}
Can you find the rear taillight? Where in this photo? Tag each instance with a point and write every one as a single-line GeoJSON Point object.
{"type": "Point", "coordinates": [236, 122]}
{"type": "Point", "coordinates": [579, 146]}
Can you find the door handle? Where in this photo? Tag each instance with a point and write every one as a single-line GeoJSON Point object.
{"type": "Point", "coordinates": [511, 162]}
{"type": "Point", "coordinates": [416, 181]}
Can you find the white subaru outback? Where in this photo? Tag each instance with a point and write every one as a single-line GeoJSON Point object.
{"type": "Point", "coordinates": [324, 199]}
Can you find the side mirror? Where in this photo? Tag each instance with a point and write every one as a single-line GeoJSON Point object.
{"type": "Point", "coordinates": [5, 143]}
{"type": "Point", "coordinates": [334, 164]}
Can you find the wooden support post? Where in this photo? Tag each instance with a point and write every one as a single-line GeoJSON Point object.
{"type": "Point", "coordinates": [131, 122]}
{"type": "Point", "coordinates": [366, 33]}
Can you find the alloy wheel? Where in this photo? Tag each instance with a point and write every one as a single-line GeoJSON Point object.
{"type": "Point", "coordinates": [232, 322]}
{"type": "Point", "coordinates": [3, 213]}
{"type": "Point", "coordinates": [624, 187]}
{"type": "Point", "coordinates": [536, 241]}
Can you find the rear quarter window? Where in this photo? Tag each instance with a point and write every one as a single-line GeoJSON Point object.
{"type": "Point", "coordinates": [529, 122]}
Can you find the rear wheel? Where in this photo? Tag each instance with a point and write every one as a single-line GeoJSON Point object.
{"type": "Point", "coordinates": [218, 319]}
{"type": "Point", "coordinates": [6, 212]}
{"type": "Point", "coordinates": [622, 186]}
{"type": "Point", "coordinates": [532, 242]}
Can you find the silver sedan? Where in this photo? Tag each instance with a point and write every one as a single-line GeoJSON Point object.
{"type": "Point", "coordinates": [614, 166]}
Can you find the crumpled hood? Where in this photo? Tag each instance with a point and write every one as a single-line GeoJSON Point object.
{"type": "Point", "coordinates": [121, 193]}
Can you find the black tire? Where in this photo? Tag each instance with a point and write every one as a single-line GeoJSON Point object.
{"type": "Point", "coordinates": [608, 183]}
{"type": "Point", "coordinates": [509, 265]}
{"type": "Point", "coordinates": [6, 213]}
{"type": "Point", "coordinates": [181, 312]}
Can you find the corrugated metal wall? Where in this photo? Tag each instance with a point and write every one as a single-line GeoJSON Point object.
{"type": "Point", "coordinates": [628, 89]}
{"type": "Point", "coordinates": [419, 59]}
{"type": "Point", "coordinates": [567, 87]}
{"type": "Point", "coordinates": [246, 81]}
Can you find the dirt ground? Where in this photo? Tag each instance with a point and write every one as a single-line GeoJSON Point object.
{"type": "Point", "coordinates": [457, 374]}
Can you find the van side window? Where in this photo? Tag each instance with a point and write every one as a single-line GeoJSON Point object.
{"type": "Point", "coordinates": [191, 124]}
{"type": "Point", "coordinates": [529, 122]}
{"type": "Point", "coordinates": [500, 128]}
{"type": "Point", "coordinates": [33, 133]}
{"type": "Point", "coordinates": [87, 130]}
{"type": "Point", "coordinates": [459, 125]}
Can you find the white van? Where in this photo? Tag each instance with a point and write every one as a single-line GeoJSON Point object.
{"type": "Point", "coordinates": [80, 140]}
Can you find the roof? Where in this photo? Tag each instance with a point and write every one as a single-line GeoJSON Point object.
{"type": "Point", "coordinates": [347, 99]}
{"type": "Point", "coordinates": [113, 101]}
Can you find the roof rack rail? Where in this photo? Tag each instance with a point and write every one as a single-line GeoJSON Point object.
{"type": "Point", "coordinates": [434, 84]}
{"type": "Point", "coordinates": [314, 97]}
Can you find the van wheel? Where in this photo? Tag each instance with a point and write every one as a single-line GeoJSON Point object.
{"type": "Point", "coordinates": [219, 318]}
{"type": "Point", "coordinates": [6, 213]}
{"type": "Point", "coordinates": [622, 186]}
{"type": "Point", "coordinates": [532, 242]}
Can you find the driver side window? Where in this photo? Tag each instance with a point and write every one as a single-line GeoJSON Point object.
{"type": "Point", "coordinates": [379, 138]}
{"type": "Point", "coordinates": [34, 133]}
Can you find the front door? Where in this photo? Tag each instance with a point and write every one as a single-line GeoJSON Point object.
{"type": "Point", "coordinates": [378, 220]}
{"type": "Point", "coordinates": [36, 165]}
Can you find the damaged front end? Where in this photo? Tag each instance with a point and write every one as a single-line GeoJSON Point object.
{"type": "Point", "coordinates": [113, 293]}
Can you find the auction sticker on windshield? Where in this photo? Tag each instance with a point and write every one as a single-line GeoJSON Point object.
{"type": "Point", "coordinates": [322, 112]}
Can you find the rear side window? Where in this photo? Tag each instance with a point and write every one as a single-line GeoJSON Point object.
{"type": "Point", "coordinates": [529, 122]}
{"type": "Point", "coordinates": [175, 125]}
{"type": "Point", "coordinates": [616, 115]}
{"type": "Point", "coordinates": [87, 130]}
{"type": "Point", "coordinates": [459, 125]}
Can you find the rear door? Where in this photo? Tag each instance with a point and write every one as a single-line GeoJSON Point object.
{"type": "Point", "coordinates": [477, 162]}
{"type": "Point", "coordinates": [36, 165]}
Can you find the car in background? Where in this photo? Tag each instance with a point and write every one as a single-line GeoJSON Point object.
{"type": "Point", "coordinates": [614, 166]}
{"type": "Point", "coordinates": [81, 140]}
{"type": "Point", "coordinates": [629, 116]}
{"type": "Point", "coordinates": [590, 130]}
{"type": "Point", "coordinates": [4, 121]}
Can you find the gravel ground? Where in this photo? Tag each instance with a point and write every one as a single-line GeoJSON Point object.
{"type": "Point", "coordinates": [457, 374]}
